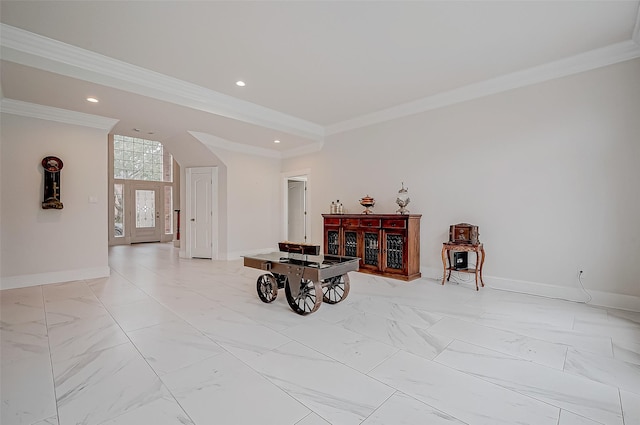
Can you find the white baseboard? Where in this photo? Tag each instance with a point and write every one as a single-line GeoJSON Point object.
{"type": "Point", "coordinates": [609, 299]}
{"type": "Point", "coordinates": [598, 298]}
{"type": "Point", "coordinates": [23, 281]}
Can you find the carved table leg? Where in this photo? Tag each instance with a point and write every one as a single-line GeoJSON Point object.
{"type": "Point", "coordinates": [477, 266]}
{"type": "Point", "coordinates": [481, 265]}
{"type": "Point", "coordinates": [444, 263]}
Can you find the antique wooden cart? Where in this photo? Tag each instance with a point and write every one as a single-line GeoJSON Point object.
{"type": "Point", "coordinates": [307, 278]}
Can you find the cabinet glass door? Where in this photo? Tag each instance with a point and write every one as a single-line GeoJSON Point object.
{"type": "Point", "coordinates": [371, 249]}
{"type": "Point", "coordinates": [333, 243]}
{"type": "Point", "coordinates": [350, 243]}
{"type": "Point", "coordinates": [394, 251]}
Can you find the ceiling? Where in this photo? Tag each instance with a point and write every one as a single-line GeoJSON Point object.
{"type": "Point", "coordinates": [311, 68]}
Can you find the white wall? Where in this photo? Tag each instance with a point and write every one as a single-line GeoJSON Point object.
{"type": "Point", "coordinates": [45, 246]}
{"type": "Point", "coordinates": [549, 173]}
{"type": "Point", "coordinates": [253, 202]}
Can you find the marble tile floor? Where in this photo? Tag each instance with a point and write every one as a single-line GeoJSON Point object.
{"type": "Point", "coordinates": [166, 340]}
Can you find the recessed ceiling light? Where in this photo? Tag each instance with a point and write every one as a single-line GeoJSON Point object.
{"type": "Point", "coordinates": [240, 83]}
{"type": "Point", "coordinates": [92, 100]}
{"type": "Point", "coordinates": [276, 141]}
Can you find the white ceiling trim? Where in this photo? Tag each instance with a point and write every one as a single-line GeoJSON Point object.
{"type": "Point", "coordinates": [593, 59]}
{"type": "Point", "coordinates": [33, 110]}
{"type": "Point", "coordinates": [303, 150]}
{"type": "Point", "coordinates": [217, 142]}
{"type": "Point", "coordinates": [212, 141]}
{"type": "Point", "coordinates": [44, 53]}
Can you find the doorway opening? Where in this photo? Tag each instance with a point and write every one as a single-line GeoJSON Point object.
{"type": "Point", "coordinates": [296, 226]}
{"type": "Point", "coordinates": [142, 191]}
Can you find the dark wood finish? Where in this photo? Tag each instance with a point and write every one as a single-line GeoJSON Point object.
{"type": "Point", "coordinates": [387, 244]}
{"type": "Point", "coordinates": [394, 223]}
{"type": "Point", "coordinates": [333, 221]}
{"type": "Point", "coordinates": [464, 233]}
{"type": "Point", "coordinates": [299, 248]}
{"type": "Point", "coordinates": [350, 222]}
{"type": "Point", "coordinates": [448, 247]}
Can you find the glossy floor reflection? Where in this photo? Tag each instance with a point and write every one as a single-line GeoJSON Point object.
{"type": "Point", "coordinates": [166, 340]}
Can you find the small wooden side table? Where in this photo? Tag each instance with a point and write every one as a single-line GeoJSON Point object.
{"type": "Point", "coordinates": [447, 247]}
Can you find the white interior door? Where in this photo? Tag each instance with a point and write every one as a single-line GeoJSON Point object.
{"type": "Point", "coordinates": [146, 220]}
{"type": "Point", "coordinates": [296, 211]}
{"type": "Point", "coordinates": [200, 214]}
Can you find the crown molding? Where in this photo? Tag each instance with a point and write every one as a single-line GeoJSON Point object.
{"type": "Point", "coordinates": [587, 61]}
{"type": "Point", "coordinates": [217, 142]}
{"type": "Point", "coordinates": [212, 141]}
{"type": "Point", "coordinates": [44, 53]}
{"type": "Point", "coordinates": [303, 150]}
{"type": "Point", "coordinates": [32, 110]}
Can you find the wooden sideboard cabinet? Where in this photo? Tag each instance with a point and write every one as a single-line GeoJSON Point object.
{"type": "Point", "coordinates": [387, 244]}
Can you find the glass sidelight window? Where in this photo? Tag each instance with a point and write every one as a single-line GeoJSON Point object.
{"type": "Point", "coordinates": [168, 210]}
{"type": "Point", "coordinates": [118, 206]}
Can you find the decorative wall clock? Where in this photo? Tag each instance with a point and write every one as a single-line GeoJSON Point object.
{"type": "Point", "coordinates": [51, 198]}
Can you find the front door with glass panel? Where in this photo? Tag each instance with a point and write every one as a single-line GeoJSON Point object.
{"type": "Point", "coordinates": [146, 220]}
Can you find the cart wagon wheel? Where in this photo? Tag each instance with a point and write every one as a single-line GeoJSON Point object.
{"type": "Point", "coordinates": [267, 288]}
{"type": "Point", "coordinates": [335, 289]}
{"type": "Point", "coordinates": [309, 298]}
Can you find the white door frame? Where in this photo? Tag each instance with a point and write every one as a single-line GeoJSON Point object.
{"type": "Point", "coordinates": [297, 211]}
{"type": "Point", "coordinates": [285, 202]}
{"type": "Point", "coordinates": [214, 210]}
